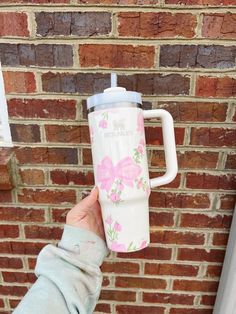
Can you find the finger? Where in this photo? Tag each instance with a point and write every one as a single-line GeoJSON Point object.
{"type": "Point", "coordinates": [90, 200]}
{"type": "Point", "coordinates": [96, 211]}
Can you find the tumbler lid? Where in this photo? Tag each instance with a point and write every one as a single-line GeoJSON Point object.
{"type": "Point", "coordinates": [113, 94]}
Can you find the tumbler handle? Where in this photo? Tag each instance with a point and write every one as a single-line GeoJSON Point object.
{"type": "Point", "coordinates": [169, 146]}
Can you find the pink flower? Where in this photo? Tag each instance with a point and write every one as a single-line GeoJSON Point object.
{"type": "Point", "coordinates": [117, 226]}
{"type": "Point", "coordinates": [143, 245]}
{"type": "Point", "coordinates": [120, 186]}
{"type": "Point", "coordinates": [118, 247]}
{"type": "Point", "coordinates": [109, 220]}
{"type": "Point", "coordinates": [140, 123]}
{"type": "Point", "coordinates": [148, 191]}
{"type": "Point", "coordinates": [114, 197]}
{"type": "Point", "coordinates": [142, 142]}
{"type": "Point", "coordinates": [140, 184]}
{"type": "Point", "coordinates": [103, 124]}
{"type": "Point", "coordinates": [140, 149]}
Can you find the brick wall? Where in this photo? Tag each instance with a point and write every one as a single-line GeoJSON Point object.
{"type": "Point", "coordinates": [181, 56]}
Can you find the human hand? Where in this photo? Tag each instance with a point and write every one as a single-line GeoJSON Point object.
{"type": "Point", "coordinates": [87, 214]}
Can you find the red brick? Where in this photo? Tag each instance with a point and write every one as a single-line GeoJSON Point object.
{"type": "Point", "coordinates": [230, 161]}
{"type": "Point", "coordinates": [156, 24]}
{"type": "Point", "coordinates": [2, 303]}
{"type": "Point", "coordinates": [9, 231]}
{"type": "Point", "coordinates": [118, 295]}
{"type": "Point", "coordinates": [106, 281]}
{"type": "Point", "coordinates": [19, 277]}
{"type": "Point", "coordinates": [120, 267]}
{"type": "Point", "coordinates": [172, 185]}
{"type": "Point", "coordinates": [197, 160]}
{"type": "Point", "coordinates": [69, 23]}
{"type": "Point", "coordinates": [67, 133]}
{"type": "Point", "coordinates": [27, 133]}
{"type": "Point", "coordinates": [170, 269]}
{"type": "Point", "coordinates": [197, 56]}
{"type": "Point", "coordinates": [32, 176]}
{"type": "Point", "coordinates": [6, 180]}
{"type": "Point", "coordinates": [156, 83]}
{"type": "Point", "coordinates": [157, 253]}
{"type": "Point", "coordinates": [212, 255]}
{"type": "Point", "coordinates": [213, 271]}
{"type": "Point", "coordinates": [190, 311]}
{"type": "Point", "coordinates": [208, 300]}
{"type": "Point", "coordinates": [59, 215]}
{"type": "Point", "coordinates": [170, 298]}
{"type": "Point", "coordinates": [213, 137]}
{"type": "Point", "coordinates": [205, 221]}
{"type": "Point", "coordinates": [194, 285]}
{"type": "Point", "coordinates": [37, 1]}
{"type": "Point", "coordinates": [13, 24]}
{"type": "Point", "coordinates": [87, 156]}
{"type": "Point", "coordinates": [186, 159]}
{"type": "Point", "coordinates": [215, 86]}
{"type": "Point", "coordinates": [118, 2]}
{"type": "Point", "coordinates": [42, 109]}
{"type": "Point", "coordinates": [220, 239]}
{"type": "Point", "coordinates": [103, 308]}
{"type": "Point", "coordinates": [13, 290]}
{"type": "Point", "coordinates": [11, 262]}
{"type": "Point", "coordinates": [140, 282]}
{"type": "Point", "coordinates": [201, 2]}
{"type": "Point", "coordinates": [132, 309]}
{"type": "Point", "coordinates": [82, 83]}
{"type": "Point", "coordinates": [22, 214]}
{"type": "Point", "coordinates": [24, 248]}
{"type": "Point", "coordinates": [44, 196]}
{"type": "Point", "coordinates": [234, 116]}
{"type": "Point", "coordinates": [161, 219]}
{"type": "Point", "coordinates": [14, 302]}
{"type": "Point", "coordinates": [219, 25]}
{"type": "Point", "coordinates": [227, 202]}
{"type": "Point", "coordinates": [45, 155]}
{"type": "Point", "coordinates": [5, 197]}
{"type": "Point", "coordinates": [176, 237]}
{"type": "Point", "coordinates": [32, 263]}
{"type": "Point", "coordinates": [40, 232]}
{"type": "Point", "coordinates": [67, 177]}
{"type": "Point", "coordinates": [208, 181]}
{"type": "Point", "coordinates": [179, 200]}
{"type": "Point", "coordinates": [116, 56]}
{"type": "Point", "coordinates": [154, 136]}
{"type": "Point", "coordinates": [19, 82]}
{"type": "Point", "coordinates": [196, 111]}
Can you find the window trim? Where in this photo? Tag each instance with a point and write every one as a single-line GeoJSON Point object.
{"type": "Point", "coordinates": [4, 126]}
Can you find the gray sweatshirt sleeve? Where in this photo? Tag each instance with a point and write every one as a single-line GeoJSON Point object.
{"type": "Point", "coordinates": [69, 276]}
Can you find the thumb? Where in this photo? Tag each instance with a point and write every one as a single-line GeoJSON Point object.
{"type": "Point", "coordinates": [89, 200]}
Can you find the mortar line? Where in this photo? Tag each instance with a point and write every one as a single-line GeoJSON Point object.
{"type": "Point", "coordinates": [129, 40]}
{"type": "Point", "coordinates": [231, 111]}
{"type": "Point", "coordinates": [191, 73]}
{"type": "Point", "coordinates": [113, 8]}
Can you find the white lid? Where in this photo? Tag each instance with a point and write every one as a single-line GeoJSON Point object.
{"type": "Point", "coordinates": [113, 94]}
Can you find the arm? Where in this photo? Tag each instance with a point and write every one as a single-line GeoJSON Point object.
{"type": "Point", "coordinates": [69, 277]}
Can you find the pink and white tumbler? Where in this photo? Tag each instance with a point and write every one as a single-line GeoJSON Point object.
{"type": "Point", "coordinates": [116, 124]}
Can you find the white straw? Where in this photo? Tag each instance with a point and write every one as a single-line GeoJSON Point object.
{"type": "Point", "coordinates": [113, 80]}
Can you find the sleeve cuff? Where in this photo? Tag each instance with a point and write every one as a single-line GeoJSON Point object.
{"type": "Point", "coordinates": [89, 247]}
